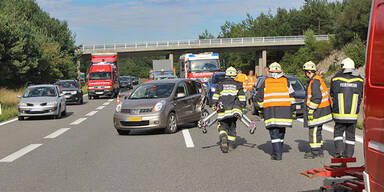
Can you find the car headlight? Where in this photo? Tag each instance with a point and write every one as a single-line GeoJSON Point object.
{"type": "Point", "coordinates": [118, 108]}
{"type": "Point", "coordinates": [52, 103]}
{"type": "Point", "coordinates": [91, 87]}
{"type": "Point", "coordinates": [213, 89]}
{"type": "Point", "coordinates": [107, 87]}
{"type": "Point", "coordinates": [158, 106]}
{"type": "Point", "coordinates": [22, 104]}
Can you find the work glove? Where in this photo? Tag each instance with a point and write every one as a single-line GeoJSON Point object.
{"type": "Point", "coordinates": [213, 107]}
{"type": "Point", "coordinates": [310, 114]}
{"type": "Point", "coordinates": [294, 115]}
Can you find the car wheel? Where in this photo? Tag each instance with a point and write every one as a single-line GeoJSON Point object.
{"type": "Point", "coordinates": [171, 124]}
{"type": "Point", "coordinates": [81, 100]}
{"type": "Point", "coordinates": [89, 97]}
{"type": "Point", "coordinates": [58, 116]}
{"type": "Point", "coordinates": [20, 118]}
{"type": "Point", "coordinates": [123, 132]}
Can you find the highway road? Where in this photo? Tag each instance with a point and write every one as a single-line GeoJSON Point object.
{"type": "Point", "coordinates": [83, 152]}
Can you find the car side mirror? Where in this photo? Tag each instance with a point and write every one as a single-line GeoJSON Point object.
{"type": "Point", "coordinates": [180, 95]}
{"type": "Point", "coordinates": [19, 96]}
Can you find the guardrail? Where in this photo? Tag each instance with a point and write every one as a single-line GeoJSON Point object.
{"type": "Point", "coordinates": [198, 42]}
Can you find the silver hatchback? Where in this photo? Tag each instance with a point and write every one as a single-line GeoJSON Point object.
{"type": "Point", "coordinates": [162, 104]}
{"type": "Point", "coordinates": [42, 100]}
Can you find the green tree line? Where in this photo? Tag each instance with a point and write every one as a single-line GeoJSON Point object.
{"type": "Point", "coordinates": [346, 20]}
{"type": "Point", "coordinates": [34, 47]}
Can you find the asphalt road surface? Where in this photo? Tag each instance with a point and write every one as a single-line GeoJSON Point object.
{"type": "Point", "coordinates": [83, 152]}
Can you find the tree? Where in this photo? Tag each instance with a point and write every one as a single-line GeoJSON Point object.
{"type": "Point", "coordinates": [206, 35]}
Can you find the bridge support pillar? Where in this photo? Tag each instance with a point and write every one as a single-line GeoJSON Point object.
{"type": "Point", "coordinates": [170, 57]}
{"type": "Point", "coordinates": [259, 69]}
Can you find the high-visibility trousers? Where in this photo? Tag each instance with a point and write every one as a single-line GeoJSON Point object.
{"type": "Point", "coordinates": [349, 129]}
{"type": "Point", "coordinates": [277, 139]}
{"type": "Point", "coordinates": [316, 139]}
{"type": "Point", "coordinates": [228, 127]}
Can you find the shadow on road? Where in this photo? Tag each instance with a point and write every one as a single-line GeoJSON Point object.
{"type": "Point", "coordinates": [267, 148]}
{"type": "Point", "coordinates": [328, 146]}
{"type": "Point", "coordinates": [239, 142]}
{"type": "Point", "coordinates": [47, 117]}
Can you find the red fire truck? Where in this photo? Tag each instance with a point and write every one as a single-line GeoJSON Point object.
{"type": "Point", "coordinates": [199, 66]}
{"type": "Point", "coordinates": [370, 176]}
{"type": "Point", "coordinates": [103, 77]}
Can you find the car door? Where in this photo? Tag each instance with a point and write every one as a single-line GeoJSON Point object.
{"type": "Point", "coordinates": [195, 101]}
{"type": "Point", "coordinates": [182, 105]}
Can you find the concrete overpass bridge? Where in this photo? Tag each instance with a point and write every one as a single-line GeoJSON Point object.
{"type": "Point", "coordinates": [169, 48]}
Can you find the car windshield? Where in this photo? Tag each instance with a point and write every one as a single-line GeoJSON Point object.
{"type": "Point", "coordinates": [100, 75]}
{"type": "Point", "coordinates": [165, 77]}
{"type": "Point", "coordinates": [40, 92]}
{"type": "Point", "coordinates": [146, 91]}
{"type": "Point", "coordinates": [124, 78]}
{"type": "Point", "coordinates": [67, 84]}
{"type": "Point", "coordinates": [217, 78]}
{"type": "Point", "coordinates": [296, 85]}
{"type": "Point", "coordinates": [204, 65]}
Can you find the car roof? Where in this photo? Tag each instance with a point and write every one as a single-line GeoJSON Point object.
{"type": "Point", "coordinates": [43, 85]}
{"type": "Point", "coordinates": [65, 80]}
{"type": "Point", "coordinates": [168, 81]}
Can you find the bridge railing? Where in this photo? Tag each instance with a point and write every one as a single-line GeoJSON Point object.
{"type": "Point", "coordinates": [198, 42]}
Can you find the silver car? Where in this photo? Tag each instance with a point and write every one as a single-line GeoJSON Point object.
{"type": "Point", "coordinates": [162, 104]}
{"type": "Point", "coordinates": [42, 100]}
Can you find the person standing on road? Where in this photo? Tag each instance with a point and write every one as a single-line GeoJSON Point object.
{"type": "Point", "coordinates": [347, 93]}
{"type": "Point", "coordinates": [318, 110]}
{"type": "Point", "coordinates": [151, 76]}
{"type": "Point", "coordinates": [229, 97]}
{"type": "Point", "coordinates": [250, 83]}
{"type": "Point", "coordinates": [275, 100]}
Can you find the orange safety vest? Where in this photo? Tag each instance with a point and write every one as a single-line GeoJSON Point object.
{"type": "Point", "coordinates": [251, 80]}
{"type": "Point", "coordinates": [242, 78]}
{"type": "Point", "coordinates": [325, 101]}
{"type": "Point", "coordinates": [276, 93]}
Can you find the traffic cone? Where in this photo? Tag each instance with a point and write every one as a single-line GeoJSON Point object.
{"type": "Point", "coordinates": [118, 99]}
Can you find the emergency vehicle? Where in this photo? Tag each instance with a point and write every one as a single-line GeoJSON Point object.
{"type": "Point", "coordinates": [103, 77]}
{"type": "Point", "coordinates": [199, 66]}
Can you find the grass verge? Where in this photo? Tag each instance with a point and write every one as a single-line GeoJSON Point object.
{"type": "Point", "coordinates": [9, 101]}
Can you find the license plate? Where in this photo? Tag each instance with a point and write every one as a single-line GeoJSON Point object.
{"type": "Point", "coordinates": [134, 118]}
{"type": "Point", "coordinates": [31, 109]}
{"type": "Point", "coordinates": [99, 93]}
{"type": "Point", "coordinates": [298, 106]}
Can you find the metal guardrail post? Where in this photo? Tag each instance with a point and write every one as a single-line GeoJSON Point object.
{"type": "Point", "coordinates": [178, 43]}
{"type": "Point", "coordinates": [146, 44]}
{"type": "Point", "coordinates": [231, 40]}
{"type": "Point", "coordinates": [253, 40]}
{"type": "Point", "coordinates": [114, 46]}
{"type": "Point", "coordinates": [221, 41]}
{"type": "Point", "coordinates": [157, 43]}
{"type": "Point", "coordinates": [125, 45]}
{"type": "Point", "coordinates": [135, 45]}
{"type": "Point", "coordinates": [210, 41]}
{"type": "Point", "coordinates": [242, 40]}
{"type": "Point", "coordinates": [189, 42]}
{"type": "Point", "coordinates": [104, 46]}
{"type": "Point", "coordinates": [94, 47]}
{"type": "Point", "coordinates": [199, 41]}
{"type": "Point", "coordinates": [263, 39]}
{"type": "Point", "coordinates": [167, 43]}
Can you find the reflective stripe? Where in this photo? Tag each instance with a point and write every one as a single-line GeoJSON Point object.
{"type": "Point", "coordinates": [324, 100]}
{"type": "Point", "coordinates": [320, 120]}
{"type": "Point", "coordinates": [347, 80]}
{"type": "Point", "coordinates": [276, 121]}
{"type": "Point", "coordinates": [341, 103]}
{"type": "Point", "coordinates": [349, 142]}
{"type": "Point", "coordinates": [338, 138]}
{"type": "Point", "coordinates": [215, 96]}
{"type": "Point", "coordinates": [223, 132]}
{"type": "Point", "coordinates": [316, 145]}
{"type": "Point", "coordinates": [313, 105]}
{"type": "Point", "coordinates": [277, 141]}
{"type": "Point", "coordinates": [276, 94]}
{"type": "Point", "coordinates": [274, 100]}
{"type": "Point", "coordinates": [324, 94]}
{"type": "Point", "coordinates": [231, 138]}
{"type": "Point", "coordinates": [229, 113]}
{"type": "Point", "coordinates": [260, 104]}
{"type": "Point", "coordinates": [354, 104]}
{"type": "Point", "coordinates": [345, 116]}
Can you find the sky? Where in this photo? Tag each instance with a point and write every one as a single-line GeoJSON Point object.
{"type": "Point", "coordinates": [126, 21]}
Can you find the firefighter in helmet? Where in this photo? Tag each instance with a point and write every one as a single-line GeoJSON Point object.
{"type": "Point", "coordinates": [275, 100]}
{"type": "Point", "coordinates": [318, 110]}
{"type": "Point", "coordinates": [347, 92]}
{"type": "Point", "coordinates": [229, 101]}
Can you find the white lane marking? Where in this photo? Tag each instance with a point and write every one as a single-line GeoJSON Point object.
{"type": "Point", "coordinates": [106, 103]}
{"type": "Point", "coordinates": [19, 153]}
{"type": "Point", "coordinates": [188, 138]}
{"type": "Point", "coordinates": [100, 107]}
{"type": "Point", "coordinates": [56, 133]}
{"type": "Point", "coordinates": [330, 129]}
{"type": "Point", "coordinates": [78, 121]}
{"type": "Point", "coordinates": [91, 113]}
{"type": "Point", "coordinates": [110, 100]}
{"type": "Point", "coordinates": [9, 121]}
{"type": "Point", "coordinates": [85, 95]}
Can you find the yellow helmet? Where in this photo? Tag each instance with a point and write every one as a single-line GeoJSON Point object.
{"type": "Point", "coordinates": [231, 71]}
{"type": "Point", "coordinates": [275, 67]}
{"type": "Point", "coordinates": [309, 66]}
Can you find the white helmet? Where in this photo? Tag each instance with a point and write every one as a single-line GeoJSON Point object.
{"type": "Point", "coordinates": [275, 68]}
{"type": "Point", "coordinates": [348, 63]}
{"type": "Point", "coordinates": [230, 72]}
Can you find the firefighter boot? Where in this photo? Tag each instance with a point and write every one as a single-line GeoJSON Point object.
{"type": "Point", "coordinates": [232, 145]}
{"type": "Point", "coordinates": [224, 143]}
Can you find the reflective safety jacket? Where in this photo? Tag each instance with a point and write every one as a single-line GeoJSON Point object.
{"type": "Point", "coordinates": [317, 99]}
{"type": "Point", "coordinates": [276, 98]}
{"type": "Point", "coordinates": [230, 93]}
{"type": "Point", "coordinates": [243, 79]}
{"type": "Point", "coordinates": [347, 92]}
{"type": "Point", "coordinates": [251, 80]}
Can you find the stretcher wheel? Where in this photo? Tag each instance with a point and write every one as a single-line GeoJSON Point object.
{"type": "Point", "coordinates": [204, 130]}
{"type": "Point", "coordinates": [251, 131]}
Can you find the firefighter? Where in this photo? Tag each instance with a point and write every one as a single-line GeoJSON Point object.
{"type": "Point", "coordinates": [275, 100]}
{"type": "Point", "coordinates": [230, 95]}
{"type": "Point", "coordinates": [318, 110]}
{"type": "Point", "coordinates": [347, 92]}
